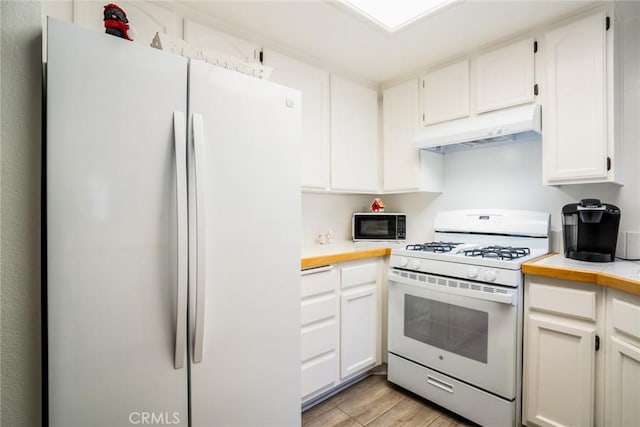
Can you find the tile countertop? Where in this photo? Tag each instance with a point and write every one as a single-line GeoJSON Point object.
{"type": "Point", "coordinates": [317, 255]}
{"type": "Point", "coordinates": [622, 275]}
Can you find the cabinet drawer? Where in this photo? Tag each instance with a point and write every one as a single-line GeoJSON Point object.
{"type": "Point", "coordinates": [625, 317]}
{"type": "Point", "coordinates": [317, 281]}
{"type": "Point", "coordinates": [577, 303]}
{"type": "Point", "coordinates": [359, 275]}
{"type": "Point", "coordinates": [318, 309]}
{"type": "Point", "coordinates": [319, 374]}
{"type": "Point", "coordinates": [318, 340]}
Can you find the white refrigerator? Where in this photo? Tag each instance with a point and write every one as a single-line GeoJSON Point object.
{"type": "Point", "coordinates": [172, 239]}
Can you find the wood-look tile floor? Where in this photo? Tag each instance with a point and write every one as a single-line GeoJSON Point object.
{"type": "Point", "coordinates": [376, 402]}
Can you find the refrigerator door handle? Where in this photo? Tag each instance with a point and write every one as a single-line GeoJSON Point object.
{"type": "Point", "coordinates": [180, 145]}
{"type": "Point", "coordinates": [198, 149]}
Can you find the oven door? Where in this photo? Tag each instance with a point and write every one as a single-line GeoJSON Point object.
{"type": "Point", "coordinates": [467, 330]}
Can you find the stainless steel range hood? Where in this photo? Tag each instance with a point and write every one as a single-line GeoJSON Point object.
{"type": "Point", "coordinates": [491, 128]}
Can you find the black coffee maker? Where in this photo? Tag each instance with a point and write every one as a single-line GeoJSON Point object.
{"type": "Point", "coordinates": [590, 230]}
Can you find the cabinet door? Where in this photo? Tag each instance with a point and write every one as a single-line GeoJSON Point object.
{"type": "Point", "coordinates": [623, 359]}
{"type": "Point", "coordinates": [574, 125]}
{"type": "Point", "coordinates": [623, 373]}
{"type": "Point", "coordinates": [359, 330]}
{"type": "Point", "coordinates": [399, 123]}
{"type": "Point", "coordinates": [359, 327]}
{"type": "Point", "coordinates": [504, 77]}
{"type": "Point", "coordinates": [354, 137]}
{"type": "Point", "coordinates": [559, 379]}
{"type": "Point", "coordinates": [446, 93]}
{"type": "Point", "coordinates": [313, 85]}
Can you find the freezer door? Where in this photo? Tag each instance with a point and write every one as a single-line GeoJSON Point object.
{"type": "Point", "coordinates": [112, 231]}
{"type": "Point", "coordinates": [245, 276]}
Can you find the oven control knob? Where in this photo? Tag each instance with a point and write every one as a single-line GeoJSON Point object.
{"type": "Point", "coordinates": [415, 264]}
{"type": "Point", "coordinates": [490, 275]}
{"type": "Point", "coordinates": [472, 272]}
{"type": "Point", "coordinates": [403, 262]}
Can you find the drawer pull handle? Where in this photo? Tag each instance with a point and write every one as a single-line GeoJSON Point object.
{"type": "Point", "coordinates": [440, 384]}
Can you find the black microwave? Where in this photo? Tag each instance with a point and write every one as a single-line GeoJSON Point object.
{"type": "Point", "coordinates": [379, 226]}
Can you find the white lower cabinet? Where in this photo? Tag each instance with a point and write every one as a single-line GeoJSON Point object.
{"type": "Point", "coordinates": [340, 325]}
{"type": "Point", "coordinates": [359, 322]}
{"type": "Point", "coordinates": [562, 372]}
{"type": "Point", "coordinates": [622, 402]}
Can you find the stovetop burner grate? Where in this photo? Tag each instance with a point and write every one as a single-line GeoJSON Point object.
{"type": "Point", "coordinates": [501, 252]}
{"type": "Point", "coordinates": [433, 247]}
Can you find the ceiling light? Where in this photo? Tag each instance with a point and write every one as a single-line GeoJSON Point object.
{"type": "Point", "coordinates": [394, 14]}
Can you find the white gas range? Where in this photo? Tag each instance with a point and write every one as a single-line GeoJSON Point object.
{"type": "Point", "coordinates": [455, 311]}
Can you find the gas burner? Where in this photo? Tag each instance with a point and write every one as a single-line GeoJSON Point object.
{"type": "Point", "coordinates": [433, 247]}
{"type": "Point", "coordinates": [501, 252]}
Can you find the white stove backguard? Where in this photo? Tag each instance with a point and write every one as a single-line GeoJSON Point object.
{"type": "Point", "coordinates": [494, 221]}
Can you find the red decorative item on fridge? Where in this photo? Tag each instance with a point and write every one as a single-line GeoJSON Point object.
{"type": "Point", "coordinates": [116, 22]}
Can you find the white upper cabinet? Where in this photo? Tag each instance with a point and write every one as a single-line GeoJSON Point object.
{"type": "Point", "coordinates": [446, 93]}
{"type": "Point", "coordinates": [354, 137]}
{"type": "Point", "coordinates": [405, 168]}
{"type": "Point", "coordinates": [313, 84]}
{"type": "Point", "coordinates": [578, 127]}
{"type": "Point", "coordinates": [504, 77]}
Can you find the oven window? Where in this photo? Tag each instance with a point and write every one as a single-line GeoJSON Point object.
{"type": "Point", "coordinates": [456, 329]}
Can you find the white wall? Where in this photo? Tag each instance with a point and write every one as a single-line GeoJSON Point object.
{"type": "Point", "coordinates": [20, 156]}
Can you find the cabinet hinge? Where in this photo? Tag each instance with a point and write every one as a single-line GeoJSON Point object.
{"type": "Point", "coordinates": [535, 89]}
{"type": "Point", "coordinates": [607, 24]}
{"type": "Point", "coordinates": [535, 46]}
{"type": "Point", "coordinates": [597, 343]}
{"type": "Point", "coordinates": [261, 56]}
{"type": "Point", "coordinates": [608, 163]}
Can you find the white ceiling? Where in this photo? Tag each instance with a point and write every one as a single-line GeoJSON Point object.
{"type": "Point", "coordinates": [344, 41]}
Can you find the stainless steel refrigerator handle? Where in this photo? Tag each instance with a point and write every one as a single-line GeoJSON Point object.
{"type": "Point", "coordinates": [180, 145]}
{"type": "Point", "coordinates": [198, 150]}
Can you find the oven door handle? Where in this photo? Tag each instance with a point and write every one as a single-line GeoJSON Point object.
{"type": "Point", "coordinates": [455, 287]}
